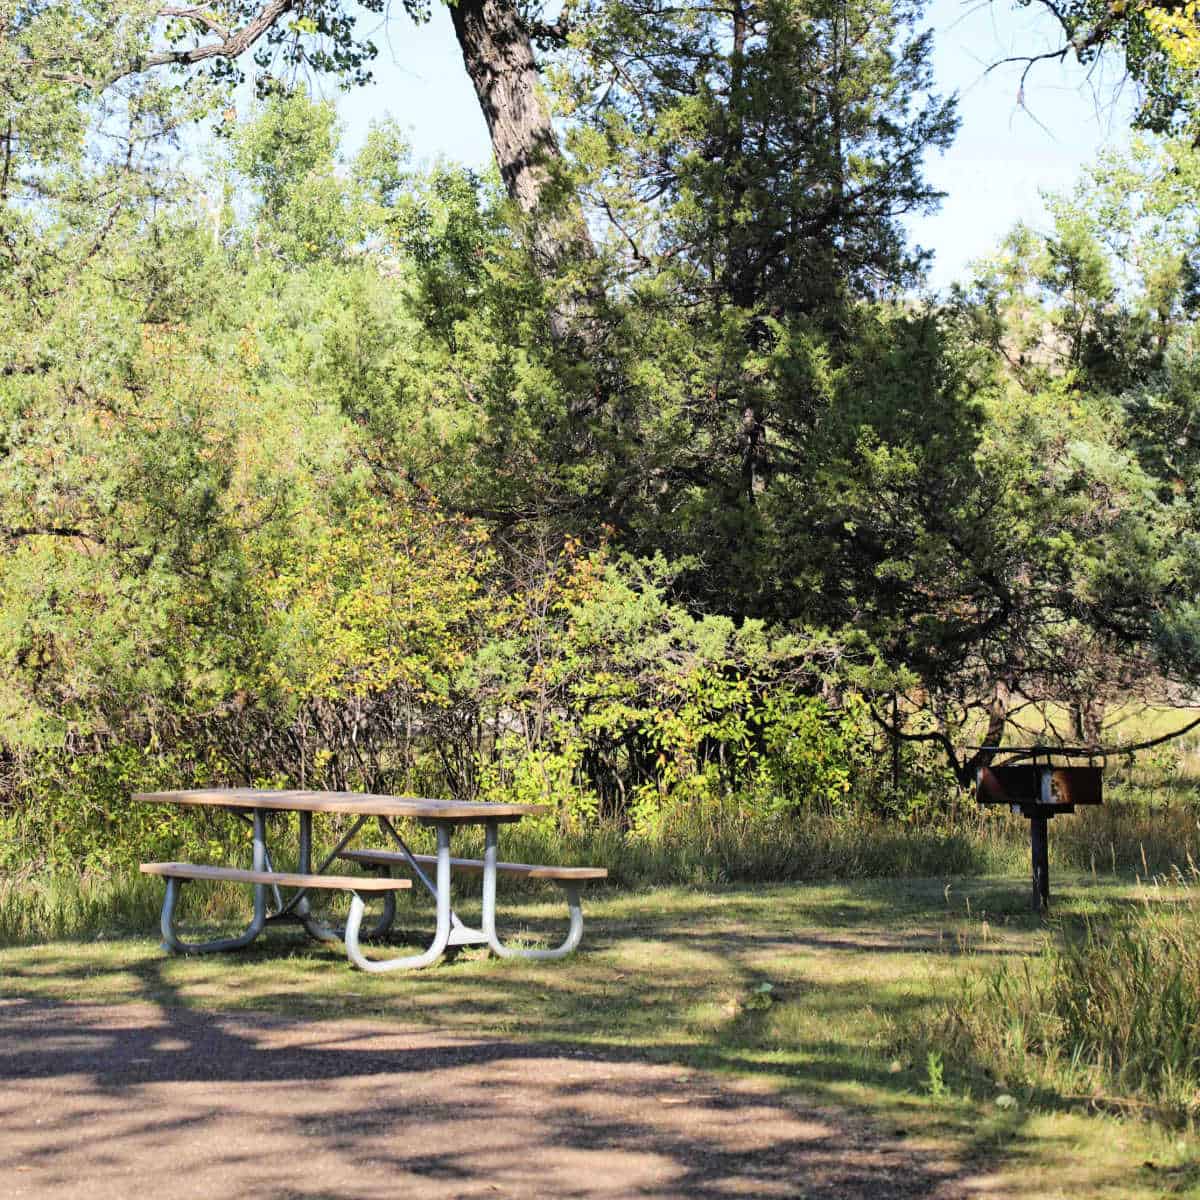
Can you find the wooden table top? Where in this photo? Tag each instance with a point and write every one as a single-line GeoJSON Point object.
{"type": "Point", "coordinates": [353, 803]}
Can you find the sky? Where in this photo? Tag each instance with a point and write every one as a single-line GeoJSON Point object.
{"type": "Point", "coordinates": [1004, 158]}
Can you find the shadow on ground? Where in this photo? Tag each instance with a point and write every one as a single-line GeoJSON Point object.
{"type": "Point", "coordinates": [188, 1103]}
{"type": "Point", "coordinates": [592, 1078]}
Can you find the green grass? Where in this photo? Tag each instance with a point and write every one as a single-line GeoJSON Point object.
{"type": "Point", "coordinates": [679, 975]}
{"type": "Point", "coordinates": [856, 987]}
{"type": "Point", "coordinates": [710, 847]}
{"type": "Point", "coordinates": [1110, 1011]}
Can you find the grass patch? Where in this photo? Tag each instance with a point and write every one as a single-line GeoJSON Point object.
{"type": "Point", "coordinates": [714, 847]}
{"type": "Point", "coordinates": [939, 1005]}
{"type": "Point", "coordinates": [709, 847]}
{"type": "Point", "coordinates": [1109, 1012]}
{"type": "Point", "coordinates": [1129, 839]}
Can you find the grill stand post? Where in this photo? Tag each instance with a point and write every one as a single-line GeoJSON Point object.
{"type": "Point", "coordinates": [1039, 783]}
{"type": "Point", "coordinates": [1041, 864]}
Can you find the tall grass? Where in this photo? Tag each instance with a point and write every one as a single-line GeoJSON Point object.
{"type": "Point", "coordinates": [33, 909]}
{"type": "Point", "coordinates": [724, 843]}
{"type": "Point", "coordinates": [1126, 837]}
{"type": "Point", "coordinates": [36, 909]}
{"type": "Point", "coordinates": [1110, 1015]}
{"type": "Point", "coordinates": [701, 847]}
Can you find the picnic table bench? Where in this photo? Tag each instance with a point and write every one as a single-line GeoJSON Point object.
{"type": "Point", "coordinates": [254, 806]}
{"type": "Point", "coordinates": [568, 878]}
{"type": "Point", "coordinates": [176, 874]}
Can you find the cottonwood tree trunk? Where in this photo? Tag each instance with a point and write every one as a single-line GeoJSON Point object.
{"type": "Point", "coordinates": [498, 55]}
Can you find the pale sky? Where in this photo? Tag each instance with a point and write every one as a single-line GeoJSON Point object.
{"type": "Point", "coordinates": [1003, 159]}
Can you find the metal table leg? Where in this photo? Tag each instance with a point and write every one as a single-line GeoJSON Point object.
{"type": "Point", "coordinates": [441, 937]}
{"type": "Point", "coordinates": [461, 934]}
{"type": "Point", "coordinates": [297, 908]}
{"type": "Point", "coordinates": [574, 931]}
{"type": "Point", "coordinates": [314, 928]}
{"type": "Point", "coordinates": [172, 941]}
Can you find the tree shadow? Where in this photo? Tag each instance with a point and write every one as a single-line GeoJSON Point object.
{"type": "Point", "coordinates": [284, 1106]}
{"type": "Point", "coordinates": [440, 1100]}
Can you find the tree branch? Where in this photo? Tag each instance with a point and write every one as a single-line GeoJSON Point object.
{"type": "Point", "coordinates": [1106, 751]}
{"type": "Point", "coordinates": [60, 531]}
{"type": "Point", "coordinates": [1079, 41]}
{"type": "Point", "coordinates": [197, 13]}
{"type": "Point", "coordinates": [938, 736]}
{"type": "Point", "coordinates": [232, 46]}
{"type": "Point", "coordinates": [7, 165]}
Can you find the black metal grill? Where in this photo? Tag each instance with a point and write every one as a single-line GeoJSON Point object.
{"type": "Point", "coordinates": [1041, 782]}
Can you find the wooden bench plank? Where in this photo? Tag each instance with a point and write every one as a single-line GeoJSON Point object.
{"type": "Point", "coordinates": [358, 883]}
{"type": "Point", "coordinates": [391, 858]}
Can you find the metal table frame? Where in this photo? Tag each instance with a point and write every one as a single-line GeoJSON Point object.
{"type": "Point", "coordinates": [442, 816]}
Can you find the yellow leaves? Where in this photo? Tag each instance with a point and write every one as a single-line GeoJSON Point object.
{"type": "Point", "coordinates": [248, 349]}
{"type": "Point", "coordinates": [384, 597]}
{"type": "Point", "coordinates": [1177, 30]}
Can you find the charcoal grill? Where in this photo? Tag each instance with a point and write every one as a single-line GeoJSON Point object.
{"type": "Point", "coordinates": [1040, 783]}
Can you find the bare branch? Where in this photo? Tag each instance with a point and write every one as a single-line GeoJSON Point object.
{"type": "Point", "coordinates": [937, 736]}
{"type": "Point", "coordinates": [633, 246]}
{"type": "Point", "coordinates": [1078, 42]}
{"type": "Point", "coordinates": [7, 164]}
{"type": "Point", "coordinates": [1099, 751]}
{"type": "Point", "coordinates": [75, 77]}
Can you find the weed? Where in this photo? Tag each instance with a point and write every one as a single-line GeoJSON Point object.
{"type": "Point", "coordinates": [1110, 1014]}
{"type": "Point", "coordinates": [935, 1081]}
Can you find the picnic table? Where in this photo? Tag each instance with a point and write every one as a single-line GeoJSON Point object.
{"type": "Point", "coordinates": [255, 807]}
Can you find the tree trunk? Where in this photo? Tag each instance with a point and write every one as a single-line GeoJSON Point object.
{"type": "Point", "coordinates": [997, 711]}
{"type": "Point", "coordinates": [498, 56]}
{"type": "Point", "coordinates": [1087, 719]}
{"type": "Point", "coordinates": [996, 707]}
{"type": "Point", "coordinates": [499, 59]}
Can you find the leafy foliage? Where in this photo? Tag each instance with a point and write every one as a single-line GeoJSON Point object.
{"type": "Point", "coordinates": [298, 487]}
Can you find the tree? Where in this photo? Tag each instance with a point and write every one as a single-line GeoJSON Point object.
{"type": "Point", "coordinates": [1085, 457]}
{"type": "Point", "coordinates": [746, 170]}
{"type": "Point", "coordinates": [103, 44]}
{"type": "Point", "coordinates": [766, 151]}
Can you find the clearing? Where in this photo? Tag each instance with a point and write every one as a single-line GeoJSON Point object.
{"type": "Point", "coordinates": [739, 1042]}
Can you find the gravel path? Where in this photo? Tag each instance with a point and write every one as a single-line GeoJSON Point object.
{"type": "Point", "coordinates": [134, 1101]}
